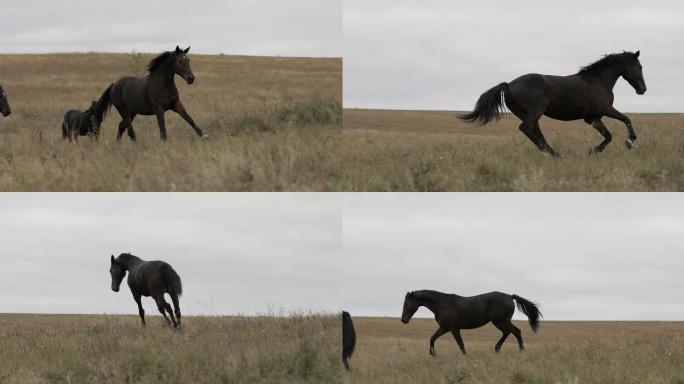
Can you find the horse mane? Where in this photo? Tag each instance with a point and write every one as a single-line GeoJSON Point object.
{"type": "Point", "coordinates": [155, 63]}
{"type": "Point", "coordinates": [428, 295]}
{"type": "Point", "coordinates": [127, 257]}
{"type": "Point", "coordinates": [606, 61]}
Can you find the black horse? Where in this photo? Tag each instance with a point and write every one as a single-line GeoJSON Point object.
{"type": "Point", "coordinates": [149, 278]}
{"type": "Point", "coordinates": [348, 338]}
{"type": "Point", "coordinates": [586, 95]}
{"type": "Point", "coordinates": [77, 123]}
{"type": "Point", "coordinates": [4, 104]}
{"type": "Point", "coordinates": [153, 94]}
{"type": "Point", "coordinates": [453, 313]}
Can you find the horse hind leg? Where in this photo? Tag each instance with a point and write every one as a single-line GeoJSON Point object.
{"type": "Point", "coordinates": [505, 331]}
{"type": "Point", "coordinates": [161, 306]}
{"type": "Point", "coordinates": [168, 308]}
{"type": "Point", "coordinates": [518, 335]}
{"type": "Point", "coordinates": [176, 307]}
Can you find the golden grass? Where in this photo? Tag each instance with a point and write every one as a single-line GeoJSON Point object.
{"type": "Point", "coordinates": [273, 124]}
{"type": "Point", "coordinates": [434, 151]}
{"type": "Point", "coordinates": [300, 348]}
{"type": "Point", "coordinates": [563, 352]}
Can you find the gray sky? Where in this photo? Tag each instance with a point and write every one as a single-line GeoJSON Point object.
{"type": "Point", "coordinates": [249, 27]}
{"type": "Point", "coordinates": [236, 253]}
{"type": "Point", "coordinates": [581, 256]}
{"type": "Point", "coordinates": [442, 54]}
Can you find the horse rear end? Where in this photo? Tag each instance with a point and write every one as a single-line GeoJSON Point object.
{"type": "Point", "coordinates": [348, 338]}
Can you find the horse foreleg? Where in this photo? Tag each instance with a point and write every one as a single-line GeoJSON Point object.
{"type": "Point", "coordinates": [162, 124]}
{"type": "Point", "coordinates": [617, 115]}
{"type": "Point", "coordinates": [434, 337]}
{"type": "Point", "coordinates": [180, 109]}
{"type": "Point", "coordinates": [141, 310]}
{"type": "Point", "coordinates": [459, 340]}
{"type": "Point", "coordinates": [607, 137]}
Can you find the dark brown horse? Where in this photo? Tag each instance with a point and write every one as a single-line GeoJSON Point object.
{"type": "Point", "coordinates": [453, 313]}
{"type": "Point", "coordinates": [148, 278]}
{"type": "Point", "coordinates": [153, 94]}
{"type": "Point", "coordinates": [4, 104]}
{"type": "Point", "coordinates": [348, 338]}
{"type": "Point", "coordinates": [586, 95]}
{"type": "Point", "coordinates": [77, 123]}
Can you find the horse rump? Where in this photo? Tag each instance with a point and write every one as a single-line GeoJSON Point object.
{"type": "Point", "coordinates": [348, 338]}
{"type": "Point", "coordinates": [530, 309]}
{"type": "Point", "coordinates": [173, 281]}
{"type": "Point", "coordinates": [490, 106]}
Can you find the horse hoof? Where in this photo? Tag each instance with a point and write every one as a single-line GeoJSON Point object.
{"type": "Point", "coordinates": [631, 144]}
{"type": "Point", "coordinates": [204, 136]}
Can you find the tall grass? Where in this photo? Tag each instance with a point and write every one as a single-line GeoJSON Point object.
{"type": "Point", "coordinates": [297, 348]}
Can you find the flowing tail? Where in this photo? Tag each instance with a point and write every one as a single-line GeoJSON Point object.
{"type": "Point", "coordinates": [530, 309]}
{"type": "Point", "coordinates": [490, 106]}
{"type": "Point", "coordinates": [348, 338]}
{"type": "Point", "coordinates": [103, 105]}
{"type": "Point", "coordinates": [173, 281]}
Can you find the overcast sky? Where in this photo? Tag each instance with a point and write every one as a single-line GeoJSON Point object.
{"type": "Point", "coordinates": [235, 253]}
{"type": "Point", "coordinates": [442, 54]}
{"type": "Point", "coordinates": [581, 256]}
{"type": "Point", "coordinates": [248, 27]}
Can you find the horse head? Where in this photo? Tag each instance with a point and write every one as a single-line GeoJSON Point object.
{"type": "Point", "coordinates": [633, 73]}
{"type": "Point", "coordinates": [118, 272]}
{"type": "Point", "coordinates": [181, 65]}
{"type": "Point", "coordinates": [411, 305]}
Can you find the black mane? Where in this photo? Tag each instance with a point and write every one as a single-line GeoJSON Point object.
{"type": "Point", "coordinates": [127, 257]}
{"type": "Point", "coordinates": [155, 63]}
{"type": "Point", "coordinates": [607, 61]}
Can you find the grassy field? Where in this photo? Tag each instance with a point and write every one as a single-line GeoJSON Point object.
{"type": "Point", "coordinates": [563, 352]}
{"type": "Point", "coordinates": [301, 348]}
{"type": "Point", "coordinates": [434, 151]}
{"type": "Point", "coordinates": [273, 124]}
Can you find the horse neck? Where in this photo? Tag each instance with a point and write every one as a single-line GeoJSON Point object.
{"type": "Point", "coordinates": [609, 76]}
{"type": "Point", "coordinates": [129, 261]}
{"type": "Point", "coordinates": [164, 75]}
{"type": "Point", "coordinates": [431, 300]}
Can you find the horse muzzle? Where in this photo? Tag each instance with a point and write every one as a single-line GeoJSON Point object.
{"type": "Point", "coordinates": [6, 112]}
{"type": "Point", "coordinates": [641, 91]}
{"type": "Point", "coordinates": [190, 79]}
{"type": "Point", "coordinates": [115, 289]}
{"type": "Point", "coordinates": [404, 321]}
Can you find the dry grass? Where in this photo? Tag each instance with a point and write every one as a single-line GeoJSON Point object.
{"type": "Point", "coordinates": [563, 352]}
{"type": "Point", "coordinates": [273, 124]}
{"type": "Point", "coordinates": [298, 348]}
{"type": "Point", "coordinates": [434, 151]}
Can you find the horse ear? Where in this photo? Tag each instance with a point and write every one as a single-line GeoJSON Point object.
{"type": "Point", "coordinates": [112, 259]}
{"type": "Point", "coordinates": [178, 50]}
{"type": "Point", "coordinates": [186, 50]}
{"type": "Point", "coordinates": [636, 55]}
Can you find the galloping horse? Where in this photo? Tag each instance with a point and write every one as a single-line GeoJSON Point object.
{"type": "Point", "coordinates": [151, 95]}
{"type": "Point", "coordinates": [586, 95]}
{"type": "Point", "coordinates": [454, 313]}
{"type": "Point", "coordinates": [4, 104]}
{"type": "Point", "coordinates": [148, 278]}
{"type": "Point", "coordinates": [348, 338]}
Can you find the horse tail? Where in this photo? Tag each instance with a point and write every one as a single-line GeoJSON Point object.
{"type": "Point", "coordinates": [530, 309]}
{"type": "Point", "coordinates": [490, 106]}
{"type": "Point", "coordinates": [173, 281]}
{"type": "Point", "coordinates": [103, 105]}
{"type": "Point", "coordinates": [348, 338]}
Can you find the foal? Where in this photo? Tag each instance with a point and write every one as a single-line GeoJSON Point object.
{"type": "Point", "coordinates": [77, 123]}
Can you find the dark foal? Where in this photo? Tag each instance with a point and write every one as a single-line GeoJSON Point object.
{"type": "Point", "coordinates": [453, 313]}
{"type": "Point", "coordinates": [586, 95]}
{"type": "Point", "coordinates": [149, 278]}
{"type": "Point", "coordinates": [77, 123]}
{"type": "Point", "coordinates": [153, 94]}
